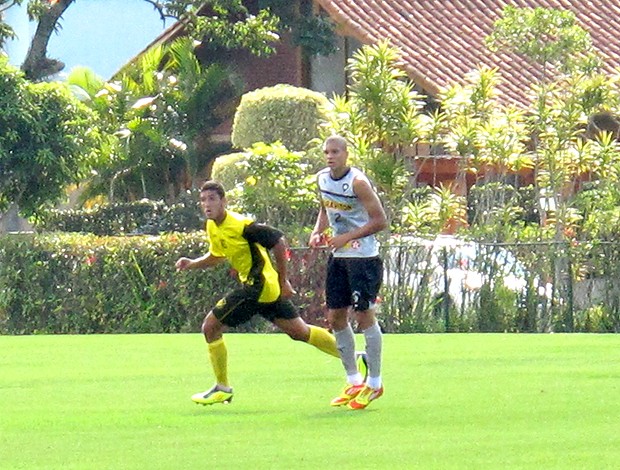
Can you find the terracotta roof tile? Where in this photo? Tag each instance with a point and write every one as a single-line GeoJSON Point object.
{"type": "Point", "coordinates": [443, 40]}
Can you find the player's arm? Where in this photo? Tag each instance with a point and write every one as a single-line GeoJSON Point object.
{"type": "Point", "coordinates": [377, 220]}
{"type": "Point", "coordinates": [279, 251]}
{"type": "Point", "coordinates": [322, 222]}
{"type": "Point", "coordinates": [273, 240]}
{"type": "Point", "coordinates": [202, 262]}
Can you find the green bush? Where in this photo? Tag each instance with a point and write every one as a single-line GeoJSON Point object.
{"type": "Point", "coordinates": [283, 113]}
{"type": "Point", "coordinates": [279, 190]}
{"type": "Point", "coordinates": [80, 284]}
{"type": "Point", "coordinates": [70, 283]}
{"type": "Point", "coordinates": [143, 216]}
{"type": "Point", "coordinates": [231, 169]}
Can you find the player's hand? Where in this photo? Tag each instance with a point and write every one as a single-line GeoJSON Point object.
{"type": "Point", "coordinates": [183, 263]}
{"type": "Point", "coordinates": [338, 241]}
{"type": "Point", "coordinates": [286, 290]}
{"type": "Point", "coordinates": [318, 240]}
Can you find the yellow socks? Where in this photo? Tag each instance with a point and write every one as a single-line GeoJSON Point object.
{"type": "Point", "coordinates": [219, 361]}
{"type": "Point", "coordinates": [322, 339]}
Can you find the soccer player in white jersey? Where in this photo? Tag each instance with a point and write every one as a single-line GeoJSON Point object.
{"type": "Point", "coordinates": [351, 207]}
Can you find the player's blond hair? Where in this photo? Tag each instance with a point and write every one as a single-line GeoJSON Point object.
{"type": "Point", "coordinates": [337, 139]}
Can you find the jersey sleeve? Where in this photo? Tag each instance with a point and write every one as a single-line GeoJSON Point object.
{"type": "Point", "coordinates": [262, 234]}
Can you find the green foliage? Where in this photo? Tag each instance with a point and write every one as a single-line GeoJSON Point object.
{"type": "Point", "coordinates": [474, 124]}
{"type": "Point", "coordinates": [46, 141]}
{"type": "Point", "coordinates": [599, 204]}
{"type": "Point", "coordinates": [435, 212]}
{"type": "Point", "coordinates": [279, 189]}
{"type": "Point", "coordinates": [85, 284]}
{"type": "Point", "coordinates": [599, 318]}
{"type": "Point", "coordinates": [231, 169]}
{"type": "Point", "coordinates": [283, 113]}
{"type": "Point", "coordinates": [256, 33]}
{"type": "Point", "coordinates": [123, 218]}
{"type": "Point", "coordinates": [315, 34]}
{"type": "Point", "coordinates": [76, 283]}
{"type": "Point", "coordinates": [159, 113]}
{"type": "Point", "coordinates": [542, 34]}
{"type": "Point", "coordinates": [497, 309]}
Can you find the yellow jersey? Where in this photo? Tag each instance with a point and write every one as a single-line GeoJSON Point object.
{"type": "Point", "coordinates": [245, 245]}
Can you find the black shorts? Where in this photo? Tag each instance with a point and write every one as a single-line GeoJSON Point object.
{"type": "Point", "coordinates": [353, 282]}
{"type": "Point", "coordinates": [240, 305]}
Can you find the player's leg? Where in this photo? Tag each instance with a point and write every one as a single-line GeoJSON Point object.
{"type": "Point", "coordinates": [232, 310]}
{"type": "Point", "coordinates": [345, 339]}
{"type": "Point", "coordinates": [366, 281]}
{"type": "Point", "coordinates": [316, 336]}
{"type": "Point", "coordinates": [338, 299]}
{"type": "Point", "coordinates": [221, 392]}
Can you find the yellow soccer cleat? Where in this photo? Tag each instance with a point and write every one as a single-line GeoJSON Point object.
{"type": "Point", "coordinates": [363, 399]}
{"type": "Point", "coordinates": [213, 396]}
{"type": "Point", "coordinates": [348, 393]}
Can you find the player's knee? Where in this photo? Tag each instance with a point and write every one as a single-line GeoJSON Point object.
{"type": "Point", "coordinates": [211, 327]}
{"type": "Point", "coordinates": [299, 333]}
{"type": "Point", "coordinates": [338, 319]}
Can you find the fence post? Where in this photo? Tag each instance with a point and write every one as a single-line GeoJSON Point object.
{"type": "Point", "coordinates": [570, 301]}
{"type": "Point", "coordinates": [446, 289]}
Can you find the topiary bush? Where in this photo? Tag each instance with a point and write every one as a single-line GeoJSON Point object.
{"type": "Point", "coordinates": [231, 169]}
{"type": "Point", "coordinates": [283, 113]}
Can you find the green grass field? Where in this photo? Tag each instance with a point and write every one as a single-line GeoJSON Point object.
{"type": "Point", "coordinates": [470, 401]}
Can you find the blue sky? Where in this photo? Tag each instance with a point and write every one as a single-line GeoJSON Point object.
{"type": "Point", "coordinates": [100, 34]}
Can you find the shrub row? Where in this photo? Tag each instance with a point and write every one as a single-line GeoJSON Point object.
{"type": "Point", "coordinates": [76, 283]}
{"type": "Point", "coordinates": [145, 216]}
{"type": "Point", "coordinates": [70, 283]}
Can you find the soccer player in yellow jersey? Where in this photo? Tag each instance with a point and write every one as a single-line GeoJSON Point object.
{"type": "Point", "coordinates": [265, 289]}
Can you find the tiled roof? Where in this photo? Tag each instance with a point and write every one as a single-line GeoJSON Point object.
{"type": "Point", "coordinates": [442, 40]}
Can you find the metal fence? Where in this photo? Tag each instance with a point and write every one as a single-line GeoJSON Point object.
{"type": "Point", "coordinates": [451, 285]}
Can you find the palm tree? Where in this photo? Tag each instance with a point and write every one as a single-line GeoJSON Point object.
{"type": "Point", "coordinates": [159, 113]}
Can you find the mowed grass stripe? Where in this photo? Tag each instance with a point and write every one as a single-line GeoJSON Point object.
{"type": "Point", "coordinates": [451, 401]}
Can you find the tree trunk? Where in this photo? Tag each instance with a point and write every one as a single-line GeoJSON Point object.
{"type": "Point", "coordinates": [37, 65]}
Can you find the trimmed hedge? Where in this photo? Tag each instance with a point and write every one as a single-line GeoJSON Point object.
{"type": "Point", "coordinates": [283, 113]}
{"type": "Point", "coordinates": [77, 284]}
{"type": "Point", "coordinates": [69, 283]}
{"type": "Point", "coordinates": [145, 216]}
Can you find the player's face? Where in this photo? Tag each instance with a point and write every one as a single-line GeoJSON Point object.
{"type": "Point", "coordinates": [335, 155]}
{"type": "Point", "coordinates": [213, 206]}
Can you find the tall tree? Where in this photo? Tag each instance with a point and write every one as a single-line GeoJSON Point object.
{"type": "Point", "coordinates": [46, 141]}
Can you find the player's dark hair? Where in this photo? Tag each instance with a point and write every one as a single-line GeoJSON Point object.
{"type": "Point", "coordinates": [214, 186]}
